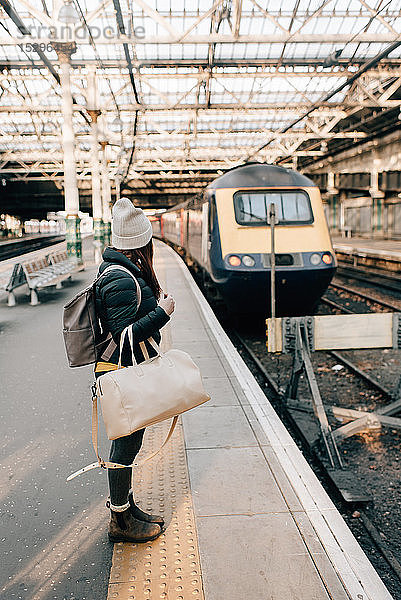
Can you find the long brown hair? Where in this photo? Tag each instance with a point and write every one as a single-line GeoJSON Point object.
{"type": "Point", "coordinates": [143, 259]}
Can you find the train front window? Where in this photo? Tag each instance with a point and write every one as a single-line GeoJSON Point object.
{"type": "Point", "coordinates": [292, 207]}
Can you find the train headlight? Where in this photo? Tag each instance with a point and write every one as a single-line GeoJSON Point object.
{"type": "Point", "coordinates": [315, 259]}
{"type": "Point", "coordinates": [234, 260]}
{"type": "Point", "coordinates": [327, 258]}
{"type": "Point", "coordinates": [248, 261]}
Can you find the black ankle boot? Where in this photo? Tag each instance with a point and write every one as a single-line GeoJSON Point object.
{"type": "Point", "coordinates": [123, 527]}
{"type": "Point", "coordinates": [137, 513]}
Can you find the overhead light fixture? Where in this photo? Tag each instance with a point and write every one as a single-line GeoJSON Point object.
{"type": "Point", "coordinates": [117, 124]}
{"type": "Point", "coordinates": [48, 127]}
{"type": "Point", "coordinates": [68, 13]}
{"type": "Point", "coordinates": [323, 147]}
{"type": "Point", "coordinates": [80, 99]}
{"type": "Point", "coordinates": [332, 59]}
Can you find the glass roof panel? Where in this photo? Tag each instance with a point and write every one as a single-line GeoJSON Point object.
{"type": "Point", "coordinates": [206, 79]}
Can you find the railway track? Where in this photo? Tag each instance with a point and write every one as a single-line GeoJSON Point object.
{"type": "Point", "coordinates": [366, 296]}
{"type": "Point", "coordinates": [13, 248]}
{"type": "Point", "coordinates": [363, 300]}
{"type": "Point", "coordinates": [372, 277]}
{"type": "Point", "coordinates": [378, 386]}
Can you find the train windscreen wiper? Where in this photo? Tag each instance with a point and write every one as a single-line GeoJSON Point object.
{"type": "Point", "coordinates": [250, 214]}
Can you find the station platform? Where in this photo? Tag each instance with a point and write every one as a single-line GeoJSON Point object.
{"type": "Point", "coordinates": [246, 517]}
{"type": "Point", "coordinates": [369, 252]}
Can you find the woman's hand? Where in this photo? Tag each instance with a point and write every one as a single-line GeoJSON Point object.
{"type": "Point", "coordinates": [167, 303]}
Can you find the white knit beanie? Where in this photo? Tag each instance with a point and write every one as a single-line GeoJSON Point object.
{"type": "Point", "coordinates": [130, 227]}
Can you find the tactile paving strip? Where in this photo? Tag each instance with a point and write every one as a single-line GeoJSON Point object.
{"type": "Point", "coordinates": [169, 567]}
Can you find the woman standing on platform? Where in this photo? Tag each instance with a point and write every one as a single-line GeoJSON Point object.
{"type": "Point", "coordinates": [117, 307]}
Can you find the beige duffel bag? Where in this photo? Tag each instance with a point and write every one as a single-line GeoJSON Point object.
{"type": "Point", "coordinates": [135, 397]}
{"type": "Point", "coordinates": [154, 390]}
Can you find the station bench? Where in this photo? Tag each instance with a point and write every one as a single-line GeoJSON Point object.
{"type": "Point", "coordinates": [48, 271]}
{"type": "Point", "coordinates": [39, 273]}
{"type": "Point", "coordinates": [10, 280]}
{"type": "Point", "coordinates": [62, 263]}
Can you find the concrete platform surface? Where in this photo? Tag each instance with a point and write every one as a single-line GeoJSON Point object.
{"type": "Point", "coordinates": [369, 247]}
{"type": "Point", "coordinates": [246, 517]}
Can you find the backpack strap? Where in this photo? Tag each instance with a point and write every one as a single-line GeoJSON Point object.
{"type": "Point", "coordinates": [104, 464]}
{"type": "Point", "coordinates": [111, 346]}
{"type": "Point", "coordinates": [121, 268]}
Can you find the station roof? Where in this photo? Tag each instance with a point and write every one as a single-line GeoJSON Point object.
{"type": "Point", "coordinates": [256, 175]}
{"type": "Point", "coordinates": [190, 88]}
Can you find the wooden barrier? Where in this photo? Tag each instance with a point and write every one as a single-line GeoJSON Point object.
{"type": "Point", "coordinates": [340, 332]}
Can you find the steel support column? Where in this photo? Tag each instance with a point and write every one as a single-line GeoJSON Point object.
{"type": "Point", "coordinates": [71, 195]}
{"type": "Point", "coordinates": [106, 195]}
{"type": "Point", "coordinates": [94, 113]}
{"type": "Point", "coordinates": [377, 197]}
{"type": "Point", "coordinates": [117, 182]}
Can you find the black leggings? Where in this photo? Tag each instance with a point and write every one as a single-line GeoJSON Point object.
{"type": "Point", "coordinates": [123, 450]}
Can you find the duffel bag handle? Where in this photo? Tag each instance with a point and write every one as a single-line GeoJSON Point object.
{"type": "Point", "coordinates": [142, 345]}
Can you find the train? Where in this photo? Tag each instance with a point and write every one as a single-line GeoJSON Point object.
{"type": "Point", "coordinates": [225, 232]}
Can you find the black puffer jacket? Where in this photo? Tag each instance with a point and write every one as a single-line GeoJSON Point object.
{"type": "Point", "coordinates": [116, 306]}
